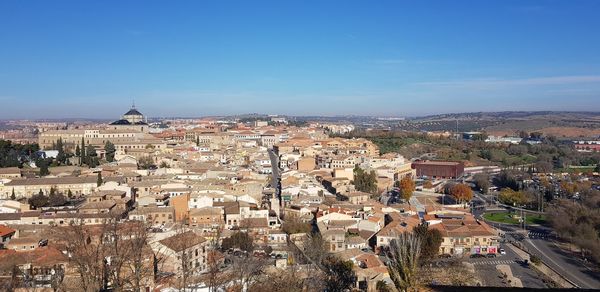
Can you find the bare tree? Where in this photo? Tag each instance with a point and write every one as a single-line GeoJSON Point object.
{"type": "Point", "coordinates": [315, 251]}
{"type": "Point", "coordinates": [289, 279]}
{"type": "Point", "coordinates": [245, 270]}
{"type": "Point", "coordinates": [214, 279]}
{"type": "Point", "coordinates": [141, 260]}
{"type": "Point", "coordinates": [404, 254]}
{"type": "Point", "coordinates": [117, 251]}
{"type": "Point", "coordinates": [86, 254]}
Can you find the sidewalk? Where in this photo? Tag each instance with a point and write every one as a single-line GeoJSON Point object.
{"type": "Point", "coordinates": [543, 268]}
{"type": "Point", "coordinates": [512, 280]}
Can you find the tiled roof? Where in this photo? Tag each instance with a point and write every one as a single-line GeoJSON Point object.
{"type": "Point", "coordinates": [183, 241]}
{"type": "Point", "coordinates": [5, 230]}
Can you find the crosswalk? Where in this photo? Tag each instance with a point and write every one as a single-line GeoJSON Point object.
{"type": "Point", "coordinates": [530, 234]}
{"type": "Point", "coordinates": [537, 235]}
{"type": "Point", "coordinates": [494, 262]}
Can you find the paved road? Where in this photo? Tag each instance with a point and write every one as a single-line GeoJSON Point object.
{"type": "Point", "coordinates": [539, 242]}
{"type": "Point", "coordinates": [486, 270]}
{"type": "Point", "coordinates": [275, 167]}
{"type": "Point", "coordinates": [569, 266]}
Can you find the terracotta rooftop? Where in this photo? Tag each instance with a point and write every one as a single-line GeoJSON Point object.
{"type": "Point", "coordinates": [5, 231]}
{"type": "Point", "coordinates": [183, 241]}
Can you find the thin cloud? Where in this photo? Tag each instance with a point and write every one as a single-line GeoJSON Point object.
{"type": "Point", "coordinates": [493, 82]}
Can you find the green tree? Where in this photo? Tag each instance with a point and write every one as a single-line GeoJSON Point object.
{"type": "Point", "coordinates": [511, 197]}
{"type": "Point", "coordinates": [39, 200]}
{"type": "Point", "coordinates": [55, 199]}
{"type": "Point", "coordinates": [82, 154]}
{"type": "Point", "coordinates": [403, 255]}
{"type": "Point", "coordinates": [507, 179]}
{"type": "Point", "coordinates": [91, 156]}
{"type": "Point", "coordinates": [110, 150]}
{"type": "Point", "coordinates": [12, 195]}
{"type": "Point", "coordinates": [365, 182]}
{"type": "Point", "coordinates": [597, 169]}
{"type": "Point", "coordinates": [69, 194]}
{"type": "Point", "coordinates": [61, 157]}
{"type": "Point", "coordinates": [43, 165]}
{"type": "Point", "coordinates": [382, 286]}
{"type": "Point", "coordinates": [99, 180]}
{"type": "Point", "coordinates": [340, 275]}
{"type": "Point", "coordinates": [77, 151]}
{"type": "Point", "coordinates": [431, 239]}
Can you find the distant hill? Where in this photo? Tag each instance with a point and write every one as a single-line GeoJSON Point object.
{"type": "Point", "coordinates": [558, 123]}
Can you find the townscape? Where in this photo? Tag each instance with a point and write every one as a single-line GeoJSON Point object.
{"type": "Point", "coordinates": [265, 204]}
{"type": "Point", "coordinates": [299, 146]}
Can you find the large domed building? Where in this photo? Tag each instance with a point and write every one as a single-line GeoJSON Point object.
{"type": "Point", "coordinates": [132, 119]}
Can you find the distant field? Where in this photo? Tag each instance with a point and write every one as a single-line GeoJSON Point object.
{"type": "Point", "coordinates": [572, 132]}
{"type": "Point", "coordinates": [583, 169]}
{"type": "Point", "coordinates": [508, 219]}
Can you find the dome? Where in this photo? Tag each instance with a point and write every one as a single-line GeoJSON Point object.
{"type": "Point", "coordinates": [133, 112]}
{"type": "Point", "coordinates": [132, 117]}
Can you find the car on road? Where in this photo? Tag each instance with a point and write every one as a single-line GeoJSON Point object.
{"type": "Point", "coordinates": [490, 255]}
{"type": "Point", "coordinates": [445, 256]}
{"type": "Point", "coordinates": [502, 251]}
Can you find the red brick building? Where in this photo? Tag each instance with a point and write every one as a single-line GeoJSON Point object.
{"type": "Point", "coordinates": [439, 169]}
{"type": "Point", "coordinates": [587, 146]}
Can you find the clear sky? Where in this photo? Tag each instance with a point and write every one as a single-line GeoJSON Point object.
{"type": "Point", "coordinates": [394, 58]}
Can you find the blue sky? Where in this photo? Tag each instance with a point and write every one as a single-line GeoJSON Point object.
{"type": "Point", "coordinates": [391, 58]}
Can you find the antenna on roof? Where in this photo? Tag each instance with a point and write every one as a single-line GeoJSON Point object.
{"type": "Point", "coordinates": [133, 104]}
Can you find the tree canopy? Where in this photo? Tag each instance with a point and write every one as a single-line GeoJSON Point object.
{"type": "Point", "coordinates": [365, 182]}
{"type": "Point", "coordinates": [239, 240]}
{"type": "Point", "coordinates": [430, 239]}
{"type": "Point", "coordinates": [109, 149]}
{"type": "Point", "coordinates": [10, 154]}
{"type": "Point", "coordinates": [340, 275]}
{"type": "Point", "coordinates": [38, 200]}
{"type": "Point", "coordinates": [407, 187]}
{"type": "Point", "coordinates": [461, 192]}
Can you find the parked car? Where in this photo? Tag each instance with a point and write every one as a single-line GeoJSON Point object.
{"type": "Point", "coordinates": [477, 255]}
{"type": "Point", "coordinates": [445, 256]}
{"type": "Point", "coordinates": [490, 255]}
